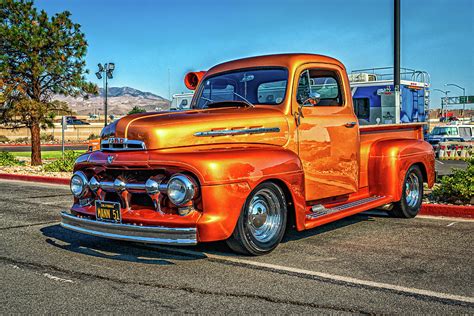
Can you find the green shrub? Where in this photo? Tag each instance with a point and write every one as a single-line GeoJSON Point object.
{"type": "Point", "coordinates": [21, 140]}
{"type": "Point", "coordinates": [47, 137]}
{"type": "Point", "coordinates": [458, 187]}
{"type": "Point", "coordinates": [4, 139]}
{"type": "Point", "coordinates": [93, 136]}
{"type": "Point", "coordinates": [7, 159]}
{"type": "Point", "coordinates": [63, 164]}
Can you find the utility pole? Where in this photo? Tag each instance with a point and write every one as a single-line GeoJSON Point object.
{"type": "Point", "coordinates": [396, 59]}
{"type": "Point", "coordinates": [444, 101]}
{"type": "Point", "coordinates": [169, 85]}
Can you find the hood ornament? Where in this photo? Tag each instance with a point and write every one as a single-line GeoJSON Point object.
{"type": "Point", "coordinates": [110, 159]}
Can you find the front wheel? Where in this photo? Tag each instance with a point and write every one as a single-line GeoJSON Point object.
{"type": "Point", "coordinates": [262, 222]}
{"type": "Point", "coordinates": [412, 194]}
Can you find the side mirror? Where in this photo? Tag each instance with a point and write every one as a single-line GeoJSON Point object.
{"type": "Point", "coordinates": [312, 100]}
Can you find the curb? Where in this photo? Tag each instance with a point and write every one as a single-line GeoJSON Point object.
{"type": "Point", "coordinates": [41, 179]}
{"type": "Point", "coordinates": [465, 211]}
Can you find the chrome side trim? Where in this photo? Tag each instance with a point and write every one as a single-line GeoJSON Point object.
{"type": "Point", "coordinates": [319, 210]}
{"type": "Point", "coordinates": [121, 144]}
{"type": "Point", "coordinates": [145, 234]}
{"type": "Point", "coordinates": [230, 132]}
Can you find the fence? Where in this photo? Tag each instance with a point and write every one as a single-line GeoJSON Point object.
{"type": "Point", "coordinates": [455, 150]}
{"type": "Point", "coordinates": [72, 132]}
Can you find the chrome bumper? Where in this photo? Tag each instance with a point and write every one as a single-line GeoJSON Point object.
{"type": "Point", "coordinates": [144, 234]}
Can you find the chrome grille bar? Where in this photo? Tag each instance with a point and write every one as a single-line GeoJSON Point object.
{"type": "Point", "coordinates": [121, 144]}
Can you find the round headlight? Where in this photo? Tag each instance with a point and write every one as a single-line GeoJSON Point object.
{"type": "Point", "coordinates": [78, 184]}
{"type": "Point", "coordinates": [181, 189]}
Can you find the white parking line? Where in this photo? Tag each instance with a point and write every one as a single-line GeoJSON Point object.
{"type": "Point", "coordinates": [439, 162]}
{"type": "Point", "coordinates": [327, 276]}
{"type": "Point", "coordinates": [55, 278]}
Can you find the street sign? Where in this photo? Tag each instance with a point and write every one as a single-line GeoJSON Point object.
{"type": "Point", "coordinates": [466, 99]}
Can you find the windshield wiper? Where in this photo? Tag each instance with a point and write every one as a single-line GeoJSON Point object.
{"type": "Point", "coordinates": [244, 99]}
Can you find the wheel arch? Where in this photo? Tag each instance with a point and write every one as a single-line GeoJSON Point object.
{"type": "Point", "coordinates": [290, 204]}
{"type": "Point", "coordinates": [393, 158]}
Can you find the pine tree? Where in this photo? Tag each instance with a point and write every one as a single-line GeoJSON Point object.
{"type": "Point", "coordinates": [40, 56]}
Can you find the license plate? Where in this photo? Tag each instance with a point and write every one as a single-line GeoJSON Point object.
{"type": "Point", "coordinates": [108, 211]}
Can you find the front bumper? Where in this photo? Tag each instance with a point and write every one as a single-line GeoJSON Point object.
{"type": "Point", "coordinates": [145, 234]}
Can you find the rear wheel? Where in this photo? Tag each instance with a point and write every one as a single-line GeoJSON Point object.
{"type": "Point", "coordinates": [412, 195]}
{"type": "Point", "coordinates": [262, 222]}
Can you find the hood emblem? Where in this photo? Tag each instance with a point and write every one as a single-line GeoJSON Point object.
{"type": "Point", "coordinates": [110, 159]}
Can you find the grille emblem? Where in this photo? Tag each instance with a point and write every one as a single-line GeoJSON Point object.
{"type": "Point", "coordinates": [110, 159]}
{"type": "Point", "coordinates": [116, 140]}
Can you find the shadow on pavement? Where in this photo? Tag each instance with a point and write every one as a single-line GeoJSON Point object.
{"type": "Point", "coordinates": [107, 248]}
{"type": "Point", "coordinates": [143, 253]}
{"type": "Point", "coordinates": [293, 234]}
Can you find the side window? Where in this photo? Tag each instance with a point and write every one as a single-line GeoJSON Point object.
{"type": "Point", "coordinates": [362, 108]}
{"type": "Point", "coordinates": [465, 132]}
{"type": "Point", "coordinates": [325, 82]}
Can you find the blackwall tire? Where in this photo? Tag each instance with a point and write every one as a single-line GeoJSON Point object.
{"type": "Point", "coordinates": [262, 222]}
{"type": "Point", "coordinates": [412, 195]}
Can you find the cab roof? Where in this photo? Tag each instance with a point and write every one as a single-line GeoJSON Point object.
{"type": "Point", "coordinates": [289, 61]}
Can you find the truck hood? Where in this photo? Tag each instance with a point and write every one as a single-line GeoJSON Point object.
{"type": "Point", "coordinates": [163, 130]}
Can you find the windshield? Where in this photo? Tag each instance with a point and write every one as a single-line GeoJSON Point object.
{"type": "Point", "coordinates": [444, 131]}
{"type": "Point", "coordinates": [250, 86]}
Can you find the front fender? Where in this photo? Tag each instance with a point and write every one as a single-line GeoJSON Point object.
{"type": "Point", "coordinates": [226, 176]}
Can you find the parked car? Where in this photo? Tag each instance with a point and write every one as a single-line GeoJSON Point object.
{"type": "Point", "coordinates": [267, 141]}
{"type": "Point", "coordinates": [74, 121]}
{"type": "Point", "coordinates": [435, 142]}
{"type": "Point", "coordinates": [438, 133]}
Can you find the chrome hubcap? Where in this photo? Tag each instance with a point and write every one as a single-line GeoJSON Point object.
{"type": "Point", "coordinates": [412, 190]}
{"type": "Point", "coordinates": [264, 218]}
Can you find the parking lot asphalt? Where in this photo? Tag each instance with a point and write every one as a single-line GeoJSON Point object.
{"type": "Point", "coordinates": [445, 167]}
{"type": "Point", "coordinates": [369, 264]}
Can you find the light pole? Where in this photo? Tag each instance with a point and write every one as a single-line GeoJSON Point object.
{"type": "Point", "coordinates": [445, 99]}
{"type": "Point", "coordinates": [106, 73]}
{"type": "Point", "coordinates": [396, 58]}
{"type": "Point", "coordinates": [463, 94]}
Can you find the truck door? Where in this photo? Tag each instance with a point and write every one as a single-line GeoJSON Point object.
{"type": "Point", "coordinates": [328, 132]}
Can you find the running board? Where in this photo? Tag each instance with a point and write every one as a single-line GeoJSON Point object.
{"type": "Point", "coordinates": [319, 210]}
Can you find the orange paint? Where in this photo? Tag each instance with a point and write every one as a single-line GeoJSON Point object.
{"type": "Point", "coordinates": [322, 160]}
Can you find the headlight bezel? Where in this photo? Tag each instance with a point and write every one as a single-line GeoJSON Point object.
{"type": "Point", "coordinates": [190, 185]}
{"type": "Point", "coordinates": [85, 184]}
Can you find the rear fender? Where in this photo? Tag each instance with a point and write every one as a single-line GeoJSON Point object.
{"type": "Point", "coordinates": [389, 161]}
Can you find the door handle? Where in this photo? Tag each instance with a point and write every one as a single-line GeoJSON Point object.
{"type": "Point", "coordinates": [350, 124]}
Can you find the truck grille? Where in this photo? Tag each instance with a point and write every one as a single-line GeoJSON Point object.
{"type": "Point", "coordinates": [121, 144]}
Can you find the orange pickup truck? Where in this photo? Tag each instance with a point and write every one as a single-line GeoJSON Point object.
{"type": "Point", "coordinates": [269, 142]}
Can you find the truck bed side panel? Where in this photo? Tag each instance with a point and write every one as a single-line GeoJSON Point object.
{"type": "Point", "coordinates": [372, 134]}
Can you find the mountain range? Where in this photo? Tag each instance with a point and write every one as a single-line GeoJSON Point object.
{"type": "Point", "coordinates": [120, 101]}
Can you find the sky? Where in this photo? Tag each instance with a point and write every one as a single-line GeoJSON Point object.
{"type": "Point", "coordinates": [155, 43]}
